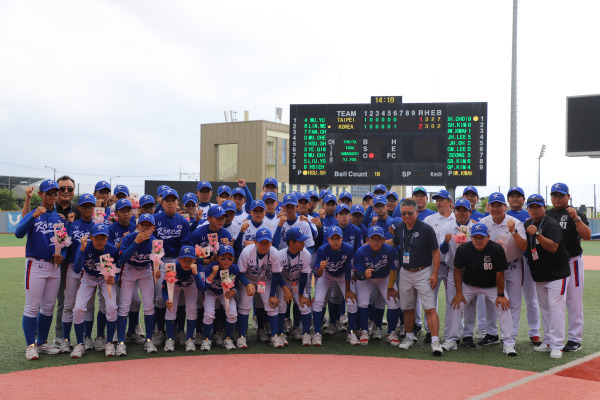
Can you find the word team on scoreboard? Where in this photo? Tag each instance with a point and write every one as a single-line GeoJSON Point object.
{"type": "Point", "coordinates": [389, 142]}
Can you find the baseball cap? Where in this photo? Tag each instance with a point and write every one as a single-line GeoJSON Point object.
{"type": "Point", "coordinates": [99, 229]}
{"type": "Point", "coordinates": [228, 205]}
{"type": "Point", "coordinates": [375, 230]}
{"type": "Point", "coordinates": [303, 196]}
{"type": "Point", "coordinates": [223, 189]}
{"type": "Point", "coordinates": [496, 197]}
{"type": "Point", "coordinates": [170, 192]}
{"type": "Point", "coordinates": [392, 194]}
{"type": "Point", "coordinates": [357, 208]}
{"type": "Point", "coordinates": [345, 195]}
{"type": "Point", "coordinates": [471, 189]}
{"type": "Point", "coordinates": [189, 196]}
{"type": "Point", "coordinates": [86, 198]}
{"type": "Point", "coordinates": [329, 197]}
{"type": "Point", "coordinates": [535, 199]}
{"type": "Point", "coordinates": [257, 204]}
{"type": "Point", "coordinates": [334, 230]}
{"type": "Point", "coordinates": [324, 193]}
{"type": "Point", "coordinates": [269, 196]}
{"type": "Point", "coordinates": [121, 189]}
{"type": "Point", "coordinates": [187, 252]}
{"type": "Point", "coordinates": [443, 194]}
{"type": "Point", "coordinates": [148, 218]}
{"type": "Point", "coordinates": [380, 187]}
{"type": "Point", "coordinates": [238, 190]}
{"type": "Point", "coordinates": [100, 185]}
{"type": "Point", "coordinates": [161, 189]}
{"type": "Point", "coordinates": [270, 181]}
{"type": "Point", "coordinates": [516, 189]}
{"type": "Point", "coordinates": [393, 222]}
{"type": "Point", "coordinates": [216, 211]}
{"type": "Point", "coordinates": [225, 249]}
{"type": "Point", "coordinates": [264, 234]}
{"type": "Point", "coordinates": [479, 229]}
{"type": "Point", "coordinates": [146, 199]}
{"type": "Point", "coordinates": [419, 189]}
{"type": "Point", "coordinates": [312, 193]}
{"type": "Point", "coordinates": [203, 184]}
{"type": "Point", "coordinates": [295, 234]}
{"type": "Point", "coordinates": [123, 203]}
{"type": "Point", "coordinates": [289, 199]}
{"type": "Point", "coordinates": [48, 184]}
{"type": "Point", "coordinates": [379, 199]}
{"type": "Point", "coordinates": [368, 194]}
{"type": "Point", "coordinates": [341, 207]}
{"type": "Point", "coordinates": [560, 188]}
{"type": "Point", "coordinates": [463, 203]}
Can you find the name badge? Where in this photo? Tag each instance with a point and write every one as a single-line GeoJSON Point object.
{"type": "Point", "coordinates": [534, 254]}
{"type": "Point", "coordinates": [262, 286]}
{"type": "Point", "coordinates": [406, 258]}
{"type": "Point", "coordinates": [295, 287]}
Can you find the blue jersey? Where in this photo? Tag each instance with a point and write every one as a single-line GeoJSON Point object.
{"type": "Point", "coordinates": [174, 231]}
{"type": "Point", "coordinates": [116, 232]}
{"type": "Point", "coordinates": [382, 262]}
{"type": "Point", "coordinates": [200, 235]}
{"type": "Point", "coordinates": [364, 232]}
{"type": "Point", "coordinates": [90, 258]}
{"type": "Point", "coordinates": [79, 229]}
{"type": "Point", "coordinates": [136, 255]}
{"type": "Point", "coordinates": [353, 236]}
{"type": "Point", "coordinates": [521, 215]}
{"type": "Point", "coordinates": [386, 229]}
{"type": "Point", "coordinates": [328, 220]}
{"type": "Point", "coordinates": [476, 215]}
{"type": "Point", "coordinates": [215, 285]}
{"type": "Point", "coordinates": [39, 231]}
{"type": "Point", "coordinates": [338, 262]}
{"type": "Point", "coordinates": [184, 279]}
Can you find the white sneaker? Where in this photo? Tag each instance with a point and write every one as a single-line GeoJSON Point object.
{"type": "Point", "coordinates": [306, 339]}
{"type": "Point", "coordinates": [47, 348]}
{"type": "Point", "coordinates": [150, 347]}
{"type": "Point", "coordinates": [451, 345]}
{"type": "Point", "coordinates": [169, 345]}
{"type": "Point", "coordinates": [352, 339]}
{"type": "Point", "coordinates": [406, 343]}
{"type": "Point", "coordinates": [383, 322]}
{"type": "Point", "coordinates": [296, 333]}
{"type": "Point", "coordinates": [190, 345]}
{"type": "Point", "coordinates": [509, 350]}
{"type": "Point", "coordinates": [287, 325]}
{"type": "Point", "coordinates": [158, 338]}
{"type": "Point", "coordinates": [377, 334]}
{"type": "Point", "coordinates": [57, 342]}
{"type": "Point", "coordinates": [181, 338]}
{"type": "Point", "coordinates": [437, 349]}
{"type": "Point", "coordinates": [392, 339]}
{"type": "Point", "coordinates": [262, 336]}
{"type": "Point", "coordinates": [121, 349]}
{"type": "Point", "coordinates": [109, 350]}
{"type": "Point", "coordinates": [31, 352]}
{"type": "Point", "coordinates": [206, 343]}
{"type": "Point", "coordinates": [78, 351]}
{"type": "Point", "coordinates": [198, 339]}
{"type": "Point", "coordinates": [99, 343]}
{"type": "Point", "coordinates": [283, 338]}
{"type": "Point", "coordinates": [542, 347]}
{"type": "Point", "coordinates": [344, 319]}
{"type": "Point", "coordinates": [556, 353]}
{"type": "Point", "coordinates": [139, 331]}
{"type": "Point", "coordinates": [364, 338]}
{"type": "Point", "coordinates": [276, 342]}
{"type": "Point", "coordinates": [241, 343]}
{"type": "Point", "coordinates": [65, 346]}
{"type": "Point", "coordinates": [339, 327]}
{"type": "Point", "coordinates": [330, 329]}
{"type": "Point", "coordinates": [317, 339]}
{"type": "Point", "coordinates": [228, 344]}
{"type": "Point", "coordinates": [88, 344]}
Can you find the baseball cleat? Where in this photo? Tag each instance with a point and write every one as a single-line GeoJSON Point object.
{"type": "Point", "coordinates": [488, 340]}
{"type": "Point", "coordinates": [283, 338]}
{"type": "Point", "coordinates": [392, 338]}
{"type": "Point", "coordinates": [99, 343]}
{"type": "Point", "coordinates": [377, 334]}
{"type": "Point", "coordinates": [330, 330]}
{"type": "Point", "coordinates": [317, 339]}
{"type": "Point", "coordinates": [121, 349]}
{"type": "Point", "coordinates": [57, 342]}
{"type": "Point", "coordinates": [47, 348]}
{"type": "Point", "coordinates": [344, 319]}
{"type": "Point", "coordinates": [509, 350]}
{"type": "Point", "coordinates": [149, 346]}
{"type": "Point", "coordinates": [468, 341]}
{"type": "Point", "coordinates": [556, 353]}
{"type": "Point", "coordinates": [406, 343]}
{"type": "Point", "coordinates": [206, 343]}
{"type": "Point", "coordinates": [109, 350]}
{"type": "Point", "coordinates": [78, 351]}
{"type": "Point", "coordinates": [542, 347]}
{"type": "Point", "coordinates": [416, 329]}
{"type": "Point", "coordinates": [364, 338]}
{"type": "Point", "coordinates": [352, 339]}
{"type": "Point", "coordinates": [572, 346]}
{"type": "Point", "coordinates": [241, 343]}
{"type": "Point", "coordinates": [447, 346]}
{"type": "Point", "coordinates": [306, 339]}
{"type": "Point", "coordinates": [276, 342]}
{"type": "Point", "coordinates": [228, 344]}
{"type": "Point", "coordinates": [436, 348]}
{"type": "Point", "coordinates": [88, 344]}
{"type": "Point", "coordinates": [339, 326]}
{"type": "Point", "coordinates": [190, 345]}
{"type": "Point", "coordinates": [169, 345]}
{"type": "Point", "coordinates": [65, 346]}
{"type": "Point", "coordinates": [31, 352]}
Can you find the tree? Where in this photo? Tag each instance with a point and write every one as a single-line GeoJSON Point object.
{"type": "Point", "coordinates": [482, 204]}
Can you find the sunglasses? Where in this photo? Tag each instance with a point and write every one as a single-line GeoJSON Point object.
{"type": "Point", "coordinates": [66, 189]}
{"type": "Point", "coordinates": [405, 213]}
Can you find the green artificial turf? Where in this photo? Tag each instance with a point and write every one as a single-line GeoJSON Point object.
{"type": "Point", "coordinates": [9, 240]}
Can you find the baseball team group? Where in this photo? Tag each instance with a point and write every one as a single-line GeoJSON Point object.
{"type": "Point", "coordinates": [308, 266]}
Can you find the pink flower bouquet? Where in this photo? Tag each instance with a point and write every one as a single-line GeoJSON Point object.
{"type": "Point", "coordinates": [107, 268]}
{"type": "Point", "coordinates": [202, 252]}
{"type": "Point", "coordinates": [99, 215]}
{"type": "Point", "coordinates": [213, 242]}
{"type": "Point", "coordinates": [60, 239]}
{"type": "Point", "coordinates": [170, 278]}
{"type": "Point", "coordinates": [156, 255]}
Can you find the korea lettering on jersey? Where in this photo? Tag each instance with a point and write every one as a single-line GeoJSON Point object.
{"type": "Point", "coordinates": [336, 263]}
{"type": "Point", "coordinates": [79, 229]}
{"type": "Point", "coordinates": [250, 234]}
{"type": "Point", "coordinates": [255, 267]}
{"type": "Point", "coordinates": [90, 263]}
{"type": "Point", "coordinates": [141, 255]}
{"type": "Point", "coordinates": [380, 264]}
{"type": "Point", "coordinates": [293, 266]}
{"type": "Point", "coordinates": [168, 232]}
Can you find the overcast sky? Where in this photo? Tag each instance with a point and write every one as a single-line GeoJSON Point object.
{"type": "Point", "coordinates": [99, 89]}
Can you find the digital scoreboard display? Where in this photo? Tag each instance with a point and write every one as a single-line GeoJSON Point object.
{"type": "Point", "coordinates": [439, 144]}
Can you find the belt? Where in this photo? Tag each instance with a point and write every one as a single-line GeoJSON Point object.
{"type": "Point", "coordinates": [415, 269]}
{"type": "Point", "coordinates": [40, 259]}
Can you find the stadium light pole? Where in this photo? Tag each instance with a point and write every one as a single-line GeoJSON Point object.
{"type": "Point", "coordinates": [110, 180]}
{"type": "Point", "coordinates": [542, 151]}
{"type": "Point", "coordinates": [52, 168]}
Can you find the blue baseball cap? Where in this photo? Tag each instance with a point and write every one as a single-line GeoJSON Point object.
{"type": "Point", "coordinates": [375, 230]}
{"type": "Point", "coordinates": [341, 207]}
{"type": "Point", "coordinates": [329, 197]}
{"type": "Point", "coordinates": [229, 205]}
{"type": "Point", "coordinates": [324, 193]}
{"type": "Point", "coordinates": [334, 230]}
{"type": "Point", "coordinates": [121, 189]}
{"type": "Point", "coordinates": [161, 189]}
{"type": "Point", "coordinates": [516, 189]}
{"type": "Point", "coordinates": [290, 199]}
{"type": "Point", "coordinates": [303, 196]}
{"type": "Point", "coordinates": [380, 187]}
{"type": "Point", "coordinates": [257, 204]}
{"type": "Point", "coordinates": [189, 196]}
{"type": "Point", "coordinates": [223, 189]}
{"type": "Point", "coordinates": [357, 208]}
{"type": "Point", "coordinates": [535, 199]}
{"type": "Point", "coordinates": [443, 194]}
{"type": "Point", "coordinates": [392, 194]}
{"type": "Point", "coordinates": [496, 197]}
{"type": "Point", "coordinates": [86, 198]}
{"type": "Point", "coordinates": [264, 234]}
{"type": "Point", "coordinates": [471, 189]}
{"type": "Point", "coordinates": [48, 184]}
{"type": "Point", "coordinates": [463, 203]}
{"type": "Point", "coordinates": [187, 252]}
{"type": "Point", "coordinates": [393, 222]}
{"type": "Point", "coordinates": [560, 188]}
{"type": "Point", "coordinates": [122, 204]}
{"type": "Point", "coordinates": [419, 189]}
{"type": "Point", "coordinates": [368, 194]}
{"type": "Point", "coordinates": [379, 199]}
{"type": "Point", "coordinates": [170, 192]}
{"type": "Point", "coordinates": [99, 229]}
{"type": "Point", "coordinates": [295, 234]}
{"type": "Point", "coordinates": [270, 181]}
{"type": "Point", "coordinates": [202, 185]}
{"type": "Point", "coordinates": [225, 249]}
{"type": "Point", "coordinates": [345, 195]}
{"type": "Point", "coordinates": [479, 229]}
{"type": "Point", "coordinates": [269, 196]}
{"type": "Point", "coordinates": [146, 199]}
{"type": "Point", "coordinates": [102, 185]}
{"type": "Point", "coordinates": [216, 211]}
{"type": "Point", "coordinates": [148, 218]}
{"type": "Point", "coordinates": [238, 190]}
{"type": "Point", "coordinates": [312, 193]}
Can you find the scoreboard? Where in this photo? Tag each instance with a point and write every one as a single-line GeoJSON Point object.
{"type": "Point", "coordinates": [390, 142]}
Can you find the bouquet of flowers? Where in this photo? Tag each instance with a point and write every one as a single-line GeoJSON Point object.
{"type": "Point", "coordinates": [135, 200]}
{"type": "Point", "coordinates": [112, 218]}
{"type": "Point", "coordinates": [156, 255]}
{"type": "Point", "coordinates": [108, 269]}
{"type": "Point", "coordinates": [202, 252]}
{"type": "Point", "coordinates": [170, 278]}
{"type": "Point", "coordinates": [99, 215]}
{"type": "Point", "coordinates": [462, 235]}
{"type": "Point", "coordinates": [213, 242]}
{"type": "Point", "coordinates": [186, 216]}
{"type": "Point", "coordinates": [227, 283]}
{"type": "Point", "coordinates": [60, 239]}
{"type": "Point", "coordinates": [501, 241]}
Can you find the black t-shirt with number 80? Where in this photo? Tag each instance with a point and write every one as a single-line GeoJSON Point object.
{"type": "Point", "coordinates": [480, 267]}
